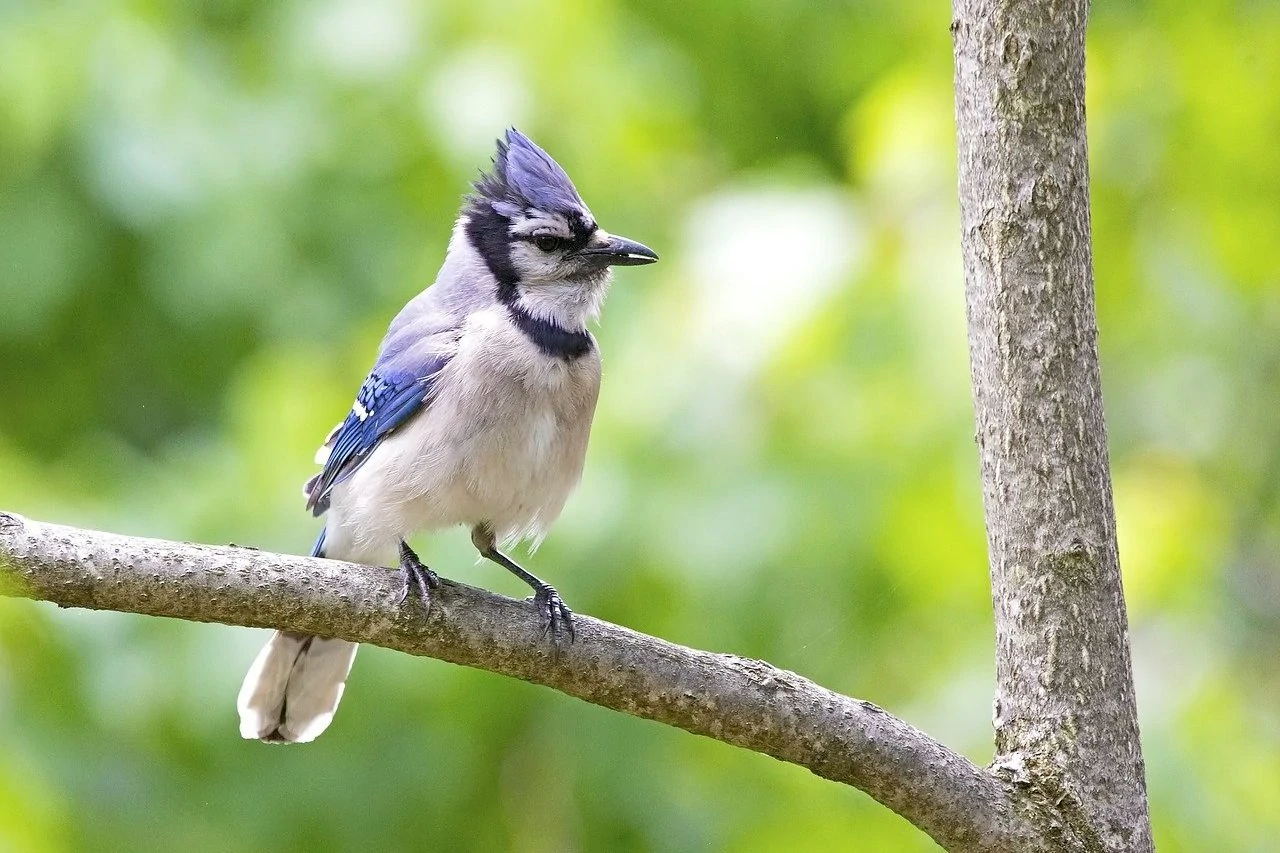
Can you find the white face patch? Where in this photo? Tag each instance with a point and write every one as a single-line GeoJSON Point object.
{"type": "Point", "coordinates": [539, 266]}
{"type": "Point", "coordinates": [556, 283]}
{"type": "Point", "coordinates": [533, 223]}
{"type": "Point", "coordinates": [538, 223]}
{"type": "Point", "coordinates": [570, 305]}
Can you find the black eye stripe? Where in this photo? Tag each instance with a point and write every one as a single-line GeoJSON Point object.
{"type": "Point", "coordinates": [556, 242]}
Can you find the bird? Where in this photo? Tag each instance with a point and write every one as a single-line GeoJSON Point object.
{"type": "Point", "coordinates": [476, 413]}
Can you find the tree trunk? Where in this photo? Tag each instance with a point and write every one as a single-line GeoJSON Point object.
{"type": "Point", "coordinates": [1065, 715]}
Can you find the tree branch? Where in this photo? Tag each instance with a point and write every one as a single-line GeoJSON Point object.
{"type": "Point", "coordinates": [1066, 719]}
{"type": "Point", "coordinates": [743, 702]}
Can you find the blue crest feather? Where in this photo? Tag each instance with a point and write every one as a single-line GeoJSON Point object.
{"type": "Point", "coordinates": [524, 176]}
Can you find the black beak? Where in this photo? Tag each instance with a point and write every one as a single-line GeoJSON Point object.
{"type": "Point", "coordinates": [621, 252]}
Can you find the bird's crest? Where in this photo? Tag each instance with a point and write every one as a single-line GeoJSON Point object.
{"type": "Point", "coordinates": [524, 177]}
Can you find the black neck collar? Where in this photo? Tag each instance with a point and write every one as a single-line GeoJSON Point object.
{"type": "Point", "coordinates": [551, 338]}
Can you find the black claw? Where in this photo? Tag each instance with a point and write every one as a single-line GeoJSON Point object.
{"type": "Point", "coordinates": [548, 601]}
{"type": "Point", "coordinates": [412, 571]}
{"type": "Point", "coordinates": [557, 613]}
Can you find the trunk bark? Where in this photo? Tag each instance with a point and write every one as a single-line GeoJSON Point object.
{"type": "Point", "coordinates": [1065, 715]}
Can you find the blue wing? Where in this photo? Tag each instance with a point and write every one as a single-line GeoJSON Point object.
{"type": "Point", "coordinates": [384, 404]}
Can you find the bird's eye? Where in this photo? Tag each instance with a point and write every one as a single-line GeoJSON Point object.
{"type": "Point", "coordinates": [548, 243]}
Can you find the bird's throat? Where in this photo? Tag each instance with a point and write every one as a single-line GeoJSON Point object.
{"type": "Point", "coordinates": [551, 338]}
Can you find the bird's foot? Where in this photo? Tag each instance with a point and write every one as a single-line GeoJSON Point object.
{"type": "Point", "coordinates": [558, 615]}
{"type": "Point", "coordinates": [414, 573]}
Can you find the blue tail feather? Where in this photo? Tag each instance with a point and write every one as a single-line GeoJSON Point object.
{"type": "Point", "coordinates": [318, 549]}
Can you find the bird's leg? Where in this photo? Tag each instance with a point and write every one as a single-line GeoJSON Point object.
{"type": "Point", "coordinates": [549, 603]}
{"type": "Point", "coordinates": [412, 571]}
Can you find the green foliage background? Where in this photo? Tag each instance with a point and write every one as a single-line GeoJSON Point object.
{"type": "Point", "coordinates": [209, 212]}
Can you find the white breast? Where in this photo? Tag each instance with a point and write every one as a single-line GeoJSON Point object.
{"type": "Point", "coordinates": [502, 441]}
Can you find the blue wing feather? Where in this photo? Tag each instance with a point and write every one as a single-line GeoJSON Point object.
{"type": "Point", "coordinates": [383, 404]}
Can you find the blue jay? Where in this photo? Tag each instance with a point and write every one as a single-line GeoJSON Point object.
{"type": "Point", "coordinates": [476, 412]}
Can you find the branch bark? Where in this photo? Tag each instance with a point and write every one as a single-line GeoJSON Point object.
{"type": "Point", "coordinates": [1065, 715]}
{"type": "Point", "coordinates": [740, 701]}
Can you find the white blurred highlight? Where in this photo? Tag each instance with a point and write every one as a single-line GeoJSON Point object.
{"type": "Point", "coordinates": [472, 98]}
{"type": "Point", "coordinates": [364, 38]}
{"type": "Point", "coordinates": [761, 260]}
